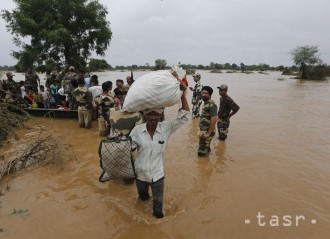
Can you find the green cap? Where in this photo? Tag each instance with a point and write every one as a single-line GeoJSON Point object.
{"type": "Point", "coordinates": [223, 87]}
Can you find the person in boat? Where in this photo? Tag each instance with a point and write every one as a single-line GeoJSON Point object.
{"type": "Point", "coordinates": [32, 80]}
{"type": "Point", "coordinates": [151, 139]}
{"type": "Point", "coordinates": [45, 97]}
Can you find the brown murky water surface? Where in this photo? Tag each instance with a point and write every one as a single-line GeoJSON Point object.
{"type": "Point", "coordinates": [275, 163]}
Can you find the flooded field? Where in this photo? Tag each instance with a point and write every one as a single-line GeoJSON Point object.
{"type": "Point", "coordinates": [270, 179]}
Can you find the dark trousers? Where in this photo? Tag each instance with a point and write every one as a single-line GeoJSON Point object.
{"type": "Point", "coordinates": [157, 189]}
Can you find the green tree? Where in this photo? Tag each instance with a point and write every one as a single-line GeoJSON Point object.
{"type": "Point", "coordinates": [305, 57]}
{"type": "Point", "coordinates": [160, 64]}
{"type": "Point", "coordinates": [227, 66]}
{"type": "Point", "coordinates": [60, 31]}
{"type": "Point", "coordinates": [243, 67]}
{"type": "Point", "coordinates": [98, 64]}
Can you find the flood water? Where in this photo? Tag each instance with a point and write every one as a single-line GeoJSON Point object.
{"type": "Point", "coordinates": [275, 163]}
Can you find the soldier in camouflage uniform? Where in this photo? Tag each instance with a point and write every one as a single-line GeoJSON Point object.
{"type": "Point", "coordinates": [83, 99]}
{"type": "Point", "coordinates": [32, 80]}
{"type": "Point", "coordinates": [226, 110]}
{"type": "Point", "coordinates": [10, 84]}
{"type": "Point", "coordinates": [51, 78]}
{"type": "Point", "coordinates": [67, 86]}
{"type": "Point", "coordinates": [196, 99]}
{"type": "Point", "coordinates": [207, 122]}
{"type": "Point", "coordinates": [103, 103]}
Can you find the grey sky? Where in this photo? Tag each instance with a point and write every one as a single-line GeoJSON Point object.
{"type": "Point", "coordinates": [202, 31]}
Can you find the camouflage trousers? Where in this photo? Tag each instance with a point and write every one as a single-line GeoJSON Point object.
{"type": "Point", "coordinates": [104, 127]}
{"type": "Point", "coordinates": [32, 87]}
{"type": "Point", "coordinates": [84, 117]}
{"type": "Point", "coordinates": [223, 126]}
{"type": "Point", "coordinates": [204, 144]}
{"type": "Point", "coordinates": [196, 109]}
{"type": "Point", "coordinates": [70, 101]}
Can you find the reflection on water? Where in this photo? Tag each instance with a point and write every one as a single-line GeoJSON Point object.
{"type": "Point", "coordinates": [275, 161]}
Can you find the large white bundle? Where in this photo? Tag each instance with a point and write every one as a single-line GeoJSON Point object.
{"type": "Point", "coordinates": [157, 89]}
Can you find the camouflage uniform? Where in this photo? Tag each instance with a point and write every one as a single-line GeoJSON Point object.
{"type": "Point", "coordinates": [209, 109]}
{"type": "Point", "coordinates": [11, 86]}
{"type": "Point", "coordinates": [31, 81]}
{"type": "Point", "coordinates": [51, 78]}
{"type": "Point", "coordinates": [67, 86]}
{"type": "Point", "coordinates": [226, 106]}
{"type": "Point", "coordinates": [124, 121]}
{"type": "Point", "coordinates": [103, 104]}
{"type": "Point", "coordinates": [83, 100]}
{"type": "Point", "coordinates": [196, 105]}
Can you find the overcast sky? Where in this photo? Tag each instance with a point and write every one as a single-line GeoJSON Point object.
{"type": "Point", "coordinates": [204, 31]}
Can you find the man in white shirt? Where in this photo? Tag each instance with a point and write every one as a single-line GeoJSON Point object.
{"type": "Point", "coordinates": [95, 91]}
{"type": "Point", "coordinates": [151, 139]}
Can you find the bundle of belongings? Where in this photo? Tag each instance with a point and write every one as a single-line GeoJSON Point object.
{"type": "Point", "coordinates": [158, 89]}
{"type": "Point", "coordinates": [116, 159]}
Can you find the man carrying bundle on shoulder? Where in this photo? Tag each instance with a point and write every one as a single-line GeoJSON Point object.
{"type": "Point", "coordinates": [151, 139]}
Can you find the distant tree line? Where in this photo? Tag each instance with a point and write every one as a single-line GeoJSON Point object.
{"type": "Point", "coordinates": [303, 66]}
{"type": "Point", "coordinates": [7, 68]}
{"type": "Point", "coordinates": [160, 64]}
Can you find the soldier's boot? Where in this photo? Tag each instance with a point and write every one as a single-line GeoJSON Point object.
{"type": "Point", "coordinates": [157, 209]}
{"type": "Point", "coordinates": [203, 151]}
{"type": "Point", "coordinates": [222, 137]}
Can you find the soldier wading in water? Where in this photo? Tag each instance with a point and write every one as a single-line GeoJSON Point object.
{"type": "Point", "coordinates": [207, 121]}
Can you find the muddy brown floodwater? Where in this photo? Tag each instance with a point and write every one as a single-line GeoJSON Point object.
{"type": "Point", "coordinates": [270, 179]}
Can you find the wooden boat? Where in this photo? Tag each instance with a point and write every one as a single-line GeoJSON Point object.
{"type": "Point", "coordinates": [53, 113]}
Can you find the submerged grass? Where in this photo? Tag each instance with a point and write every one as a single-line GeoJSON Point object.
{"type": "Point", "coordinates": [40, 147]}
{"type": "Point", "coordinates": [11, 117]}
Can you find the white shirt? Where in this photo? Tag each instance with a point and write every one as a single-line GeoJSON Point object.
{"type": "Point", "coordinates": [95, 90]}
{"type": "Point", "coordinates": [44, 94]}
{"type": "Point", "coordinates": [61, 91]}
{"type": "Point", "coordinates": [149, 165]}
{"type": "Point", "coordinates": [23, 91]}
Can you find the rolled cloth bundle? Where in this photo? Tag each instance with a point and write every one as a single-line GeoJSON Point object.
{"type": "Point", "coordinates": [158, 89]}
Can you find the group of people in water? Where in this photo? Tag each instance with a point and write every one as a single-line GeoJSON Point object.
{"type": "Point", "coordinates": [148, 131]}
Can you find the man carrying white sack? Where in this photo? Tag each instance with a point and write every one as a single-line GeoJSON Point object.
{"type": "Point", "coordinates": [151, 139]}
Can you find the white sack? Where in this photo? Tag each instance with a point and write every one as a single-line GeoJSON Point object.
{"type": "Point", "coordinates": [180, 71]}
{"type": "Point", "coordinates": [157, 89]}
